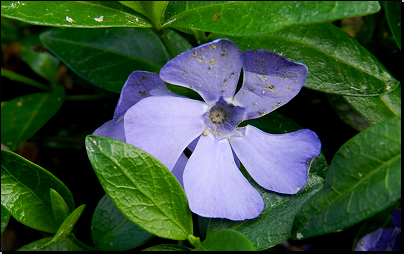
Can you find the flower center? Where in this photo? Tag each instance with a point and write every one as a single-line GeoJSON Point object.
{"type": "Point", "coordinates": [217, 114]}
{"type": "Point", "coordinates": [223, 118]}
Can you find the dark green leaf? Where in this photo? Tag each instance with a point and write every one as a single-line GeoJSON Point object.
{"type": "Point", "coordinates": [20, 78]}
{"type": "Point", "coordinates": [49, 244]}
{"type": "Point", "coordinates": [393, 13]}
{"type": "Point", "coordinates": [112, 231]}
{"type": "Point", "coordinates": [226, 240]}
{"type": "Point", "coordinates": [142, 188]}
{"type": "Point", "coordinates": [364, 178]}
{"type": "Point", "coordinates": [337, 62]}
{"type": "Point", "coordinates": [86, 14]}
{"type": "Point", "coordinates": [22, 117]}
{"type": "Point", "coordinates": [377, 108]}
{"type": "Point", "coordinates": [274, 224]}
{"type": "Point", "coordinates": [106, 57]}
{"type": "Point", "coordinates": [42, 63]}
{"type": "Point", "coordinates": [167, 247]}
{"type": "Point", "coordinates": [259, 17]}
{"type": "Point", "coordinates": [60, 209]}
{"type": "Point", "coordinates": [25, 192]}
{"type": "Point", "coordinates": [5, 217]}
{"type": "Point", "coordinates": [68, 223]}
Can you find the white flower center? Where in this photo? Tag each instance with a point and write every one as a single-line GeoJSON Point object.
{"type": "Point", "coordinates": [218, 114]}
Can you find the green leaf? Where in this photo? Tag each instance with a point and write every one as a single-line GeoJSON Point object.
{"type": "Point", "coordinates": [364, 178]}
{"type": "Point", "coordinates": [106, 57]}
{"type": "Point", "coordinates": [5, 218]}
{"type": "Point", "coordinates": [42, 63]}
{"type": "Point", "coordinates": [68, 223]}
{"type": "Point", "coordinates": [259, 17]}
{"type": "Point", "coordinates": [377, 108]}
{"type": "Point", "coordinates": [337, 62]}
{"type": "Point", "coordinates": [85, 14]}
{"type": "Point", "coordinates": [49, 244]}
{"type": "Point", "coordinates": [142, 188]}
{"type": "Point", "coordinates": [393, 14]}
{"type": "Point", "coordinates": [23, 116]}
{"type": "Point", "coordinates": [226, 240]}
{"type": "Point", "coordinates": [274, 224]}
{"type": "Point", "coordinates": [25, 192]}
{"type": "Point", "coordinates": [20, 78]}
{"type": "Point", "coordinates": [168, 247]}
{"type": "Point", "coordinates": [60, 209]}
{"type": "Point", "coordinates": [112, 231]}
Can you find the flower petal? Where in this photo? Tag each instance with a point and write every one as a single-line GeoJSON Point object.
{"type": "Point", "coordinates": [270, 81]}
{"type": "Point", "coordinates": [178, 170]}
{"type": "Point", "coordinates": [138, 86]}
{"type": "Point", "coordinates": [369, 241]}
{"type": "Point", "coordinates": [111, 129]}
{"type": "Point", "coordinates": [193, 144]}
{"type": "Point", "coordinates": [212, 70]}
{"type": "Point", "coordinates": [277, 162]}
{"type": "Point", "coordinates": [164, 126]}
{"type": "Point", "coordinates": [215, 187]}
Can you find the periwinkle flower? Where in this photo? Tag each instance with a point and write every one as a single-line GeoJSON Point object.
{"type": "Point", "coordinates": [383, 239]}
{"type": "Point", "coordinates": [165, 124]}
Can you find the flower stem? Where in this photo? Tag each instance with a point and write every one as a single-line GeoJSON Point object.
{"type": "Point", "coordinates": [161, 33]}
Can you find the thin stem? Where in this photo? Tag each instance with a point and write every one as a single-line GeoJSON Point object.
{"type": "Point", "coordinates": [162, 35]}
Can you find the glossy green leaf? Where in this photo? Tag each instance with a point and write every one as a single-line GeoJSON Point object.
{"type": "Point", "coordinates": [20, 78]}
{"type": "Point", "coordinates": [142, 188]}
{"type": "Point", "coordinates": [85, 14]}
{"type": "Point", "coordinates": [364, 178]}
{"type": "Point", "coordinates": [274, 224]}
{"type": "Point", "coordinates": [168, 247]}
{"type": "Point", "coordinates": [393, 14]}
{"type": "Point", "coordinates": [226, 240]}
{"type": "Point", "coordinates": [259, 17]}
{"type": "Point", "coordinates": [23, 116]}
{"type": "Point", "coordinates": [68, 223]}
{"type": "Point", "coordinates": [5, 218]}
{"type": "Point", "coordinates": [377, 108]}
{"type": "Point", "coordinates": [112, 231]}
{"type": "Point", "coordinates": [380, 220]}
{"type": "Point", "coordinates": [337, 62]}
{"type": "Point", "coordinates": [106, 57]}
{"type": "Point", "coordinates": [49, 244]}
{"type": "Point", "coordinates": [25, 192]}
{"type": "Point", "coordinates": [60, 209]}
{"type": "Point", "coordinates": [42, 63]}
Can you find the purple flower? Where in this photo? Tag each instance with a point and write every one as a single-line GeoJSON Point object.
{"type": "Point", "coordinates": [165, 124]}
{"type": "Point", "coordinates": [383, 239]}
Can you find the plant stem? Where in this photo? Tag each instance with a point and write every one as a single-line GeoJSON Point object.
{"type": "Point", "coordinates": [161, 33]}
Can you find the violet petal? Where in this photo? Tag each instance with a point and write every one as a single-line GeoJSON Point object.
{"type": "Point", "coordinates": [277, 162]}
{"type": "Point", "coordinates": [212, 70]}
{"type": "Point", "coordinates": [111, 129]}
{"type": "Point", "coordinates": [270, 81]}
{"type": "Point", "coordinates": [138, 86]}
{"type": "Point", "coordinates": [215, 187]}
{"type": "Point", "coordinates": [164, 126]}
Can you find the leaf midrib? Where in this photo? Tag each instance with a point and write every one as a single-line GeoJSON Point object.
{"type": "Point", "coordinates": [134, 183]}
